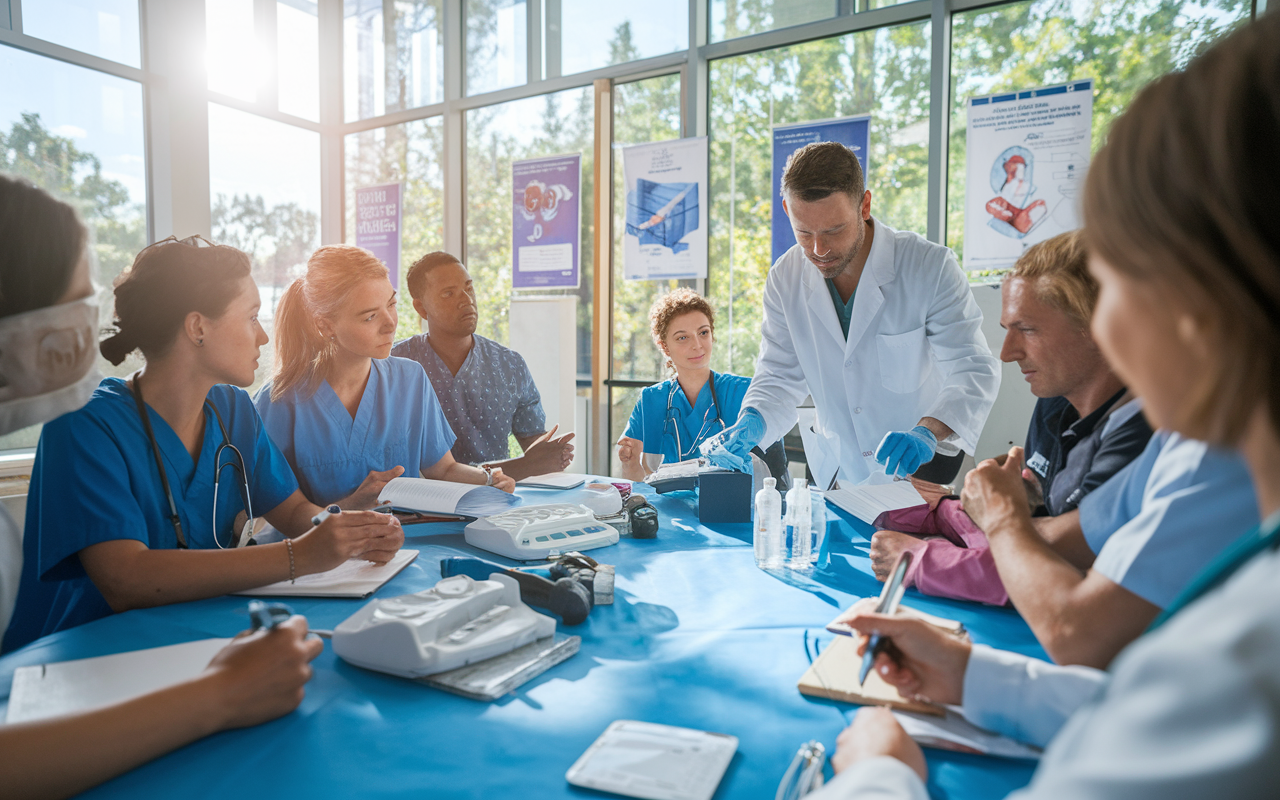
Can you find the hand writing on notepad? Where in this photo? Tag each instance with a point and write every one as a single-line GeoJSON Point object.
{"type": "Point", "coordinates": [927, 662]}
{"type": "Point", "coordinates": [352, 534]}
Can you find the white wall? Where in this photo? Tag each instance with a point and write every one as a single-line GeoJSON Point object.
{"type": "Point", "coordinates": [544, 331]}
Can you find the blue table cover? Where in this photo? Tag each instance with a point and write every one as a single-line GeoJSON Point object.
{"type": "Point", "coordinates": [697, 637]}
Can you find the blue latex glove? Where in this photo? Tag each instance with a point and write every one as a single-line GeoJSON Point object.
{"type": "Point", "coordinates": [733, 445]}
{"type": "Point", "coordinates": [902, 452]}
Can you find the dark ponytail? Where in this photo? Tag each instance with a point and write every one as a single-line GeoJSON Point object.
{"type": "Point", "coordinates": [168, 281]}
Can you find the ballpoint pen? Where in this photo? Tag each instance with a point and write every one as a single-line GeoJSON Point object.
{"type": "Point", "coordinates": [889, 599]}
{"type": "Point", "coordinates": [266, 616]}
{"type": "Point", "coordinates": [326, 513]}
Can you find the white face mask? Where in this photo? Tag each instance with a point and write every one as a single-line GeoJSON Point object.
{"type": "Point", "coordinates": [47, 362]}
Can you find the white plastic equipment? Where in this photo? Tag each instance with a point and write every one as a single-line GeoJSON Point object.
{"type": "Point", "coordinates": [457, 622]}
{"type": "Point", "coordinates": [531, 533]}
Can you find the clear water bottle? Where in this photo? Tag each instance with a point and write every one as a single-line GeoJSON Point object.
{"type": "Point", "coordinates": [768, 526]}
{"type": "Point", "coordinates": [800, 525]}
{"type": "Point", "coordinates": [818, 502]}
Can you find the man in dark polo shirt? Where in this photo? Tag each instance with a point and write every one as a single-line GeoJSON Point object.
{"type": "Point", "coordinates": [485, 389]}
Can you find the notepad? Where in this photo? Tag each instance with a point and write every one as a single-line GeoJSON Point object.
{"type": "Point", "coordinates": [867, 503]}
{"type": "Point", "coordinates": [553, 480]}
{"type": "Point", "coordinates": [49, 690]}
{"type": "Point", "coordinates": [356, 578]}
{"type": "Point", "coordinates": [463, 500]}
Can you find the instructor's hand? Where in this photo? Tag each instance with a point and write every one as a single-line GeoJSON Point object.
{"type": "Point", "coordinates": [903, 452]}
{"type": "Point", "coordinates": [733, 445]}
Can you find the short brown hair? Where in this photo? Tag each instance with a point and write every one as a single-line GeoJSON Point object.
{"type": "Point", "coordinates": [1058, 271]}
{"type": "Point", "coordinates": [416, 280]}
{"type": "Point", "coordinates": [819, 170]}
{"type": "Point", "coordinates": [673, 304]}
{"type": "Point", "coordinates": [1183, 197]}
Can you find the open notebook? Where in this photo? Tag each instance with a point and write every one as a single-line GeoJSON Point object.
{"type": "Point", "coordinates": [356, 578]}
{"type": "Point", "coordinates": [463, 500]}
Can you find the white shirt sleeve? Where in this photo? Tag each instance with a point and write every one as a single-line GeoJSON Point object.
{"type": "Point", "coordinates": [1025, 698]}
{"type": "Point", "coordinates": [779, 384]}
{"type": "Point", "coordinates": [878, 778]}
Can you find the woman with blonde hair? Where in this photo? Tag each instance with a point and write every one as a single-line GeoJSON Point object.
{"type": "Point", "coordinates": [675, 416]}
{"type": "Point", "coordinates": [346, 415]}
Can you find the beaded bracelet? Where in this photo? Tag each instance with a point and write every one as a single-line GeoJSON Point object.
{"type": "Point", "coordinates": [293, 575]}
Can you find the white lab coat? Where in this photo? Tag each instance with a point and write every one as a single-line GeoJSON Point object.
{"type": "Point", "coordinates": [1191, 710]}
{"type": "Point", "coordinates": [915, 349]}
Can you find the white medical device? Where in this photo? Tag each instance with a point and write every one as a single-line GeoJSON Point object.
{"type": "Point", "coordinates": [459, 621]}
{"type": "Point", "coordinates": [531, 533]}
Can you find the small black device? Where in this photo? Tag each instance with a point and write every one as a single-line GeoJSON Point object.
{"type": "Point", "coordinates": [642, 516]}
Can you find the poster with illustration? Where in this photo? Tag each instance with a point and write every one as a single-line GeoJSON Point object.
{"type": "Point", "coordinates": [1027, 153]}
{"type": "Point", "coordinates": [852, 132]}
{"type": "Point", "coordinates": [666, 227]}
{"type": "Point", "coordinates": [545, 235]}
{"type": "Point", "coordinates": [378, 225]}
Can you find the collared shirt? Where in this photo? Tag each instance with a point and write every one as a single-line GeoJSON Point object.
{"type": "Point", "coordinates": [844, 310]}
{"type": "Point", "coordinates": [668, 424]}
{"type": "Point", "coordinates": [1074, 456]}
{"type": "Point", "coordinates": [95, 480]}
{"type": "Point", "coordinates": [398, 423]}
{"type": "Point", "coordinates": [492, 397]}
{"type": "Point", "coordinates": [1167, 514]}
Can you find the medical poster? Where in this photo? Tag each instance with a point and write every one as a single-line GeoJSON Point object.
{"type": "Point", "coordinates": [378, 225]}
{"type": "Point", "coordinates": [852, 132]}
{"type": "Point", "coordinates": [545, 231]}
{"type": "Point", "coordinates": [1027, 153]}
{"type": "Point", "coordinates": [666, 230]}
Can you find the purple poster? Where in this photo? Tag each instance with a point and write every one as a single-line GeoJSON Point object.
{"type": "Point", "coordinates": [545, 234]}
{"type": "Point", "coordinates": [378, 225]}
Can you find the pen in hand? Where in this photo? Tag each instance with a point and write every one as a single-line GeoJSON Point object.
{"type": "Point", "coordinates": [266, 616]}
{"type": "Point", "coordinates": [890, 596]}
{"type": "Point", "coordinates": [325, 514]}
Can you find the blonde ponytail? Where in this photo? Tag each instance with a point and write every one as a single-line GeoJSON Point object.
{"type": "Point", "coordinates": [303, 353]}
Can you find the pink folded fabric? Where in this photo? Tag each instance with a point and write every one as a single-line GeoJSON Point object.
{"type": "Point", "coordinates": [958, 565]}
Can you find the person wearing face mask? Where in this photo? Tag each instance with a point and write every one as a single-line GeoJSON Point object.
{"type": "Point", "coordinates": [147, 494]}
{"type": "Point", "coordinates": [48, 321]}
{"type": "Point", "coordinates": [879, 326]}
{"type": "Point", "coordinates": [1187, 316]}
{"type": "Point", "coordinates": [486, 390]}
{"type": "Point", "coordinates": [674, 417]}
{"type": "Point", "coordinates": [349, 416]}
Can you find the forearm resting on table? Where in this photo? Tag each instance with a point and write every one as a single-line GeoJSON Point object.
{"type": "Point", "coordinates": [131, 575]}
{"type": "Point", "coordinates": [66, 755]}
{"type": "Point", "coordinates": [1079, 618]}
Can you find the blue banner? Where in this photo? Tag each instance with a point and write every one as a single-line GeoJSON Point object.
{"type": "Point", "coordinates": [852, 132]}
{"type": "Point", "coordinates": [545, 233]}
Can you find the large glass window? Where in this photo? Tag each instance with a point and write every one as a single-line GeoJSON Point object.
{"type": "Point", "coordinates": [408, 154]}
{"type": "Point", "coordinates": [553, 124]}
{"type": "Point", "coordinates": [497, 44]}
{"type": "Point", "coordinates": [298, 58]}
{"type": "Point", "coordinates": [264, 186]}
{"type": "Point", "coordinates": [884, 73]}
{"type": "Point", "coordinates": [393, 55]}
{"type": "Point", "coordinates": [104, 28]}
{"type": "Point", "coordinates": [78, 134]}
{"type": "Point", "coordinates": [733, 18]}
{"type": "Point", "coordinates": [595, 34]}
{"type": "Point", "coordinates": [233, 55]}
{"type": "Point", "coordinates": [1121, 44]}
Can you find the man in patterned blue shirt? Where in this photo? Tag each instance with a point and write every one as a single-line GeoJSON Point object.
{"type": "Point", "coordinates": [485, 389]}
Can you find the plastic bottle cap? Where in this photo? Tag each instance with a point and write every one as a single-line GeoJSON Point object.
{"type": "Point", "coordinates": [769, 483]}
{"type": "Point", "coordinates": [800, 482]}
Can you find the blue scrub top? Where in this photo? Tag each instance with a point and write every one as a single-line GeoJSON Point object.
{"type": "Point", "coordinates": [95, 480]}
{"type": "Point", "coordinates": [696, 423]}
{"type": "Point", "coordinates": [398, 421]}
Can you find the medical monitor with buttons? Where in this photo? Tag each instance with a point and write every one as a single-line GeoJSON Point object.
{"type": "Point", "coordinates": [531, 533]}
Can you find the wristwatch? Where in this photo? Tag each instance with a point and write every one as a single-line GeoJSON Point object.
{"type": "Point", "coordinates": [488, 474]}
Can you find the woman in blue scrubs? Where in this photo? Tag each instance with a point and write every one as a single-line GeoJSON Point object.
{"type": "Point", "coordinates": [347, 416]}
{"type": "Point", "coordinates": [140, 497]}
{"type": "Point", "coordinates": [675, 416]}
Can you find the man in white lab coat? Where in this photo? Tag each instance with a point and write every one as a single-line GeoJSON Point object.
{"type": "Point", "coordinates": [878, 325]}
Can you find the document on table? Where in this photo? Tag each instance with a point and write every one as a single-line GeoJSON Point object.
{"type": "Point", "coordinates": [49, 690]}
{"type": "Point", "coordinates": [553, 480]}
{"type": "Point", "coordinates": [446, 497]}
{"type": "Point", "coordinates": [356, 578]}
{"type": "Point", "coordinates": [867, 503]}
{"type": "Point", "coordinates": [954, 732]}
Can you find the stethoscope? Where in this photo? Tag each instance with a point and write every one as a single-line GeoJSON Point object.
{"type": "Point", "coordinates": [675, 424]}
{"type": "Point", "coordinates": [219, 465]}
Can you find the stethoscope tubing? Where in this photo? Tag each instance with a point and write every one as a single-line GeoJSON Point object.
{"type": "Point", "coordinates": [675, 424]}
